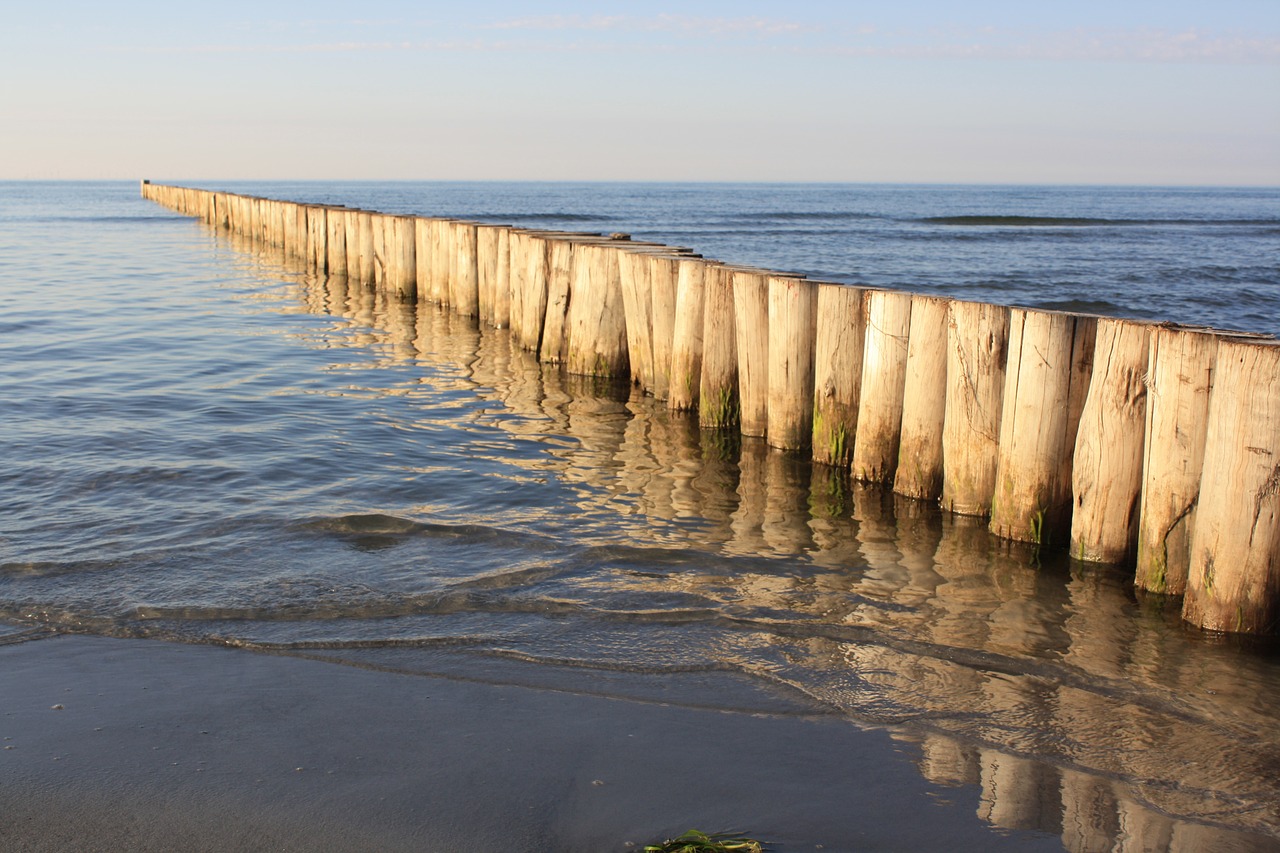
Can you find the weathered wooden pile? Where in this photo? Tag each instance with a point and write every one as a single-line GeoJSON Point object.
{"type": "Point", "coordinates": [1122, 440]}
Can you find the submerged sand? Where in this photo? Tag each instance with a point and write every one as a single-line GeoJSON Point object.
{"type": "Point", "coordinates": [117, 744]}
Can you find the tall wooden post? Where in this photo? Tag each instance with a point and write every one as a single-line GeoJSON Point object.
{"type": "Point", "coordinates": [793, 326]}
{"type": "Point", "coordinates": [884, 371]}
{"type": "Point", "coordinates": [924, 401]}
{"type": "Point", "coordinates": [718, 387]}
{"type": "Point", "coordinates": [1179, 381]}
{"type": "Point", "coordinates": [1107, 466]}
{"type": "Point", "coordinates": [686, 338]}
{"type": "Point", "coordinates": [751, 313]}
{"type": "Point", "coordinates": [1043, 398]}
{"type": "Point", "coordinates": [464, 287]}
{"type": "Point", "coordinates": [1234, 582]}
{"type": "Point", "coordinates": [977, 349]}
{"type": "Point", "coordinates": [837, 372]}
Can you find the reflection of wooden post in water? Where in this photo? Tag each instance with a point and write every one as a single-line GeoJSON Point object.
{"type": "Point", "coordinates": [399, 318]}
{"type": "Point", "coordinates": [837, 372]}
{"type": "Point", "coordinates": [793, 323]}
{"type": "Point", "coordinates": [1043, 397]}
{"type": "Point", "coordinates": [1179, 378]}
{"type": "Point", "coordinates": [945, 761]}
{"type": "Point", "coordinates": [1090, 816]}
{"type": "Point", "coordinates": [718, 387]}
{"type": "Point", "coordinates": [748, 519]}
{"type": "Point", "coordinates": [977, 347]}
{"type": "Point", "coordinates": [1107, 466]}
{"type": "Point", "coordinates": [1019, 794]}
{"type": "Point", "coordinates": [1234, 582]}
{"type": "Point", "coordinates": [785, 526]}
{"type": "Point", "coordinates": [884, 371]}
{"type": "Point", "coordinates": [924, 401]}
{"type": "Point", "coordinates": [686, 340]}
{"type": "Point", "coordinates": [884, 578]}
{"type": "Point", "coordinates": [751, 312]}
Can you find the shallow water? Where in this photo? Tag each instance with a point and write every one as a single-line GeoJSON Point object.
{"type": "Point", "coordinates": [203, 442]}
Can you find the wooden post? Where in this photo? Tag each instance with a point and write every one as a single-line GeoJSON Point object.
{"type": "Point", "coordinates": [977, 347]}
{"type": "Point", "coordinates": [1234, 582]}
{"type": "Point", "coordinates": [422, 257]}
{"type": "Point", "coordinates": [751, 313]}
{"type": "Point", "coordinates": [596, 322]}
{"type": "Point", "coordinates": [351, 242]}
{"type": "Point", "coordinates": [924, 401]}
{"type": "Point", "coordinates": [533, 300]}
{"type": "Point", "coordinates": [515, 282]}
{"type": "Point", "coordinates": [336, 238]}
{"type": "Point", "coordinates": [317, 239]}
{"type": "Point", "coordinates": [438, 286]}
{"type": "Point", "coordinates": [1107, 466]}
{"type": "Point", "coordinates": [490, 255]}
{"type": "Point", "coordinates": [637, 306]}
{"type": "Point", "coordinates": [1043, 396]}
{"type": "Point", "coordinates": [718, 387]}
{"type": "Point", "coordinates": [382, 249]}
{"type": "Point", "coordinates": [555, 339]}
{"type": "Point", "coordinates": [365, 248]}
{"type": "Point", "coordinates": [502, 282]}
{"type": "Point", "coordinates": [686, 340]}
{"type": "Point", "coordinates": [464, 287]}
{"type": "Point", "coordinates": [884, 373]}
{"type": "Point", "coordinates": [664, 273]}
{"type": "Point", "coordinates": [838, 348]}
{"type": "Point", "coordinates": [1179, 380]}
{"type": "Point", "coordinates": [793, 328]}
{"type": "Point", "coordinates": [403, 278]}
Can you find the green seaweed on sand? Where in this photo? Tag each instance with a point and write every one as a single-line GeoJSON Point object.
{"type": "Point", "coordinates": [694, 841]}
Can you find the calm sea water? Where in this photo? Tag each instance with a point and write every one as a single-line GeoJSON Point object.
{"type": "Point", "coordinates": [204, 442]}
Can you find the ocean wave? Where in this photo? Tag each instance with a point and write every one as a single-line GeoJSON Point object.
{"type": "Point", "coordinates": [1079, 221]}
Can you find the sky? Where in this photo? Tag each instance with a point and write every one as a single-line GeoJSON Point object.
{"type": "Point", "coordinates": [970, 91]}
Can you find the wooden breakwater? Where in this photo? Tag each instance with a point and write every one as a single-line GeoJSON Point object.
{"type": "Point", "coordinates": [1125, 442]}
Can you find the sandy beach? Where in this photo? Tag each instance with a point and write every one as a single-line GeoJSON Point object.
{"type": "Point", "coordinates": [142, 745]}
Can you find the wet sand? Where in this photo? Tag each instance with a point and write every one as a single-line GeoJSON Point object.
{"type": "Point", "coordinates": [113, 744]}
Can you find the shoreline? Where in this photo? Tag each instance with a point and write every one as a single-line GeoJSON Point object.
{"type": "Point", "coordinates": [159, 745]}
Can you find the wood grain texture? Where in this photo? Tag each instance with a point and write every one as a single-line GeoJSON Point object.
{"type": "Point", "coordinates": [1107, 465]}
{"type": "Point", "coordinates": [1234, 580]}
{"type": "Point", "coordinates": [793, 327]}
{"type": "Point", "coordinates": [884, 373]}
{"type": "Point", "coordinates": [977, 351]}
{"type": "Point", "coordinates": [924, 401]}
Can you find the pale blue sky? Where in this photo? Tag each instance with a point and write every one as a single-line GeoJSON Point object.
{"type": "Point", "coordinates": [1125, 91]}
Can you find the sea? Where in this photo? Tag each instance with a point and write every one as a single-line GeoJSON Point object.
{"type": "Point", "coordinates": [204, 442]}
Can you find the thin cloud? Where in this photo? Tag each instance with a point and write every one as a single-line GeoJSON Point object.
{"type": "Point", "coordinates": [1083, 44]}
{"type": "Point", "coordinates": [682, 24]}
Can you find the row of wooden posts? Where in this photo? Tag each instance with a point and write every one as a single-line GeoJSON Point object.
{"type": "Point", "coordinates": [1123, 440]}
